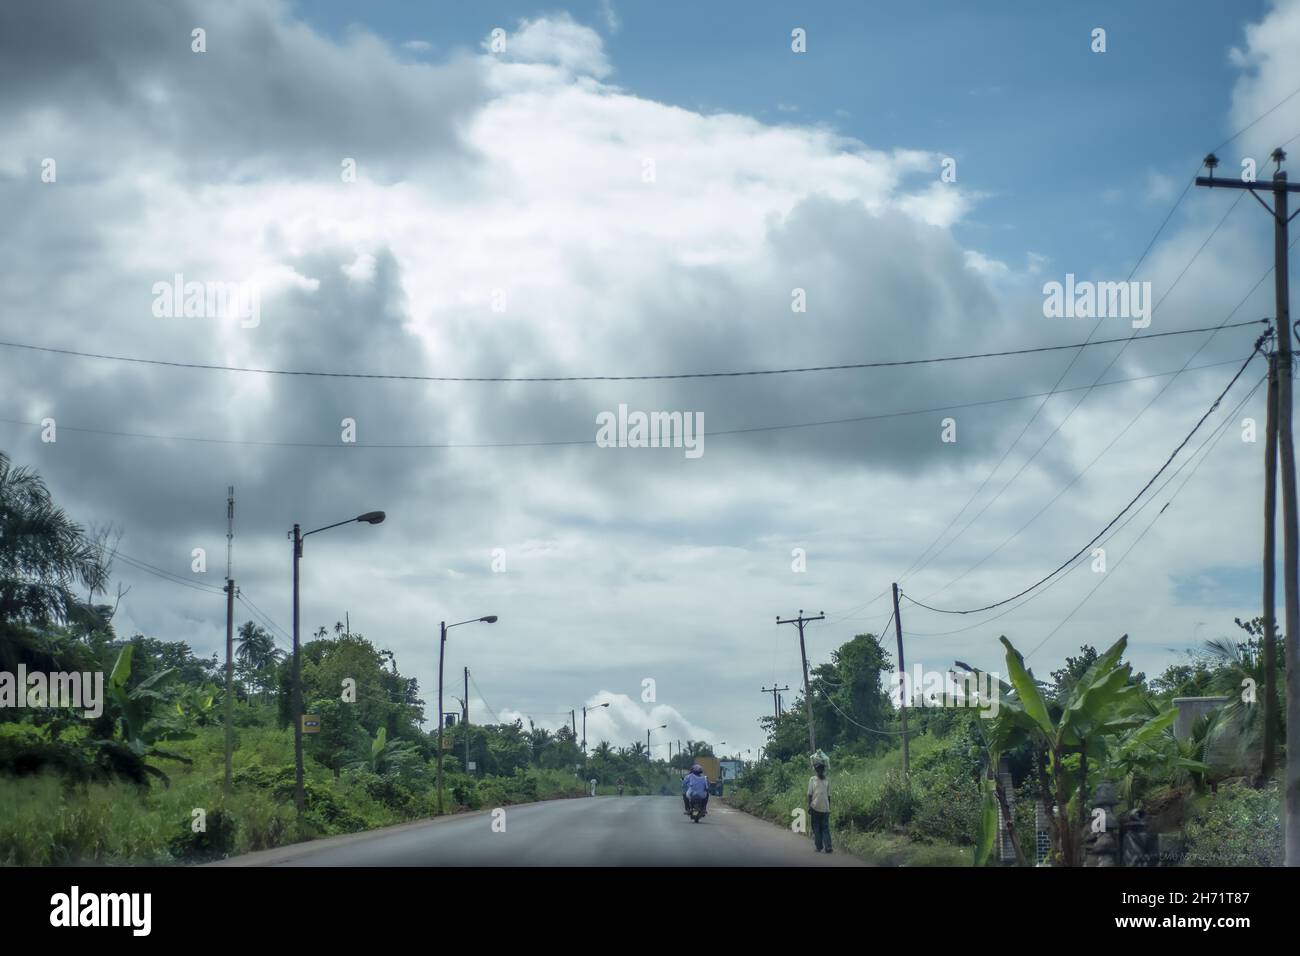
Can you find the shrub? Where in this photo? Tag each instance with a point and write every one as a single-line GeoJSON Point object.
{"type": "Point", "coordinates": [1238, 827]}
{"type": "Point", "coordinates": [217, 840]}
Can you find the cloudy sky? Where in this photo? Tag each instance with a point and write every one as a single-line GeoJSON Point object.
{"type": "Point", "coordinates": [623, 189]}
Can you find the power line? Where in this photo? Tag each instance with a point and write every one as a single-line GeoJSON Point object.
{"type": "Point", "coordinates": [1221, 429]}
{"type": "Point", "coordinates": [1212, 441]}
{"type": "Point", "coordinates": [900, 363]}
{"type": "Point", "coordinates": [1122, 512]}
{"type": "Point", "coordinates": [114, 554]}
{"type": "Point", "coordinates": [871, 730]}
{"type": "Point", "coordinates": [588, 441]}
{"type": "Point", "coordinates": [1052, 434]}
{"type": "Point", "coordinates": [1150, 244]}
{"type": "Point", "coordinates": [1164, 388]}
{"type": "Point", "coordinates": [1078, 475]}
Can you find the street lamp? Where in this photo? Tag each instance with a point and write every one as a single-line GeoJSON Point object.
{"type": "Point", "coordinates": [647, 740]}
{"type": "Point", "coordinates": [370, 517]}
{"type": "Point", "coordinates": [585, 708]}
{"type": "Point", "coordinates": [442, 646]}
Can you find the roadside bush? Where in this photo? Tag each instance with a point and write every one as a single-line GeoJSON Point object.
{"type": "Point", "coordinates": [1239, 826]}
{"type": "Point", "coordinates": [947, 809]}
{"type": "Point", "coordinates": [215, 841]}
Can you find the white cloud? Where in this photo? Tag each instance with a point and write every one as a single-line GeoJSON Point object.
{"type": "Point", "coordinates": [558, 40]}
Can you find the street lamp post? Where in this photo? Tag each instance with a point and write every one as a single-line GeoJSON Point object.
{"type": "Point", "coordinates": [442, 647]}
{"type": "Point", "coordinates": [647, 740]}
{"type": "Point", "coordinates": [585, 708]}
{"type": "Point", "coordinates": [299, 797]}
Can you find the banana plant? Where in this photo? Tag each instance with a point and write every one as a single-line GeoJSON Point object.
{"type": "Point", "coordinates": [1151, 751]}
{"type": "Point", "coordinates": [1103, 706]}
{"type": "Point", "coordinates": [129, 710]}
{"type": "Point", "coordinates": [196, 706]}
{"type": "Point", "coordinates": [382, 755]}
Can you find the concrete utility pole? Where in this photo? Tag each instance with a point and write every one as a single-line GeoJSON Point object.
{"type": "Point", "coordinates": [230, 637]}
{"type": "Point", "coordinates": [465, 720]}
{"type": "Point", "coordinates": [902, 669]}
{"type": "Point", "coordinates": [1286, 449]}
{"type": "Point", "coordinates": [776, 699]}
{"type": "Point", "coordinates": [800, 621]}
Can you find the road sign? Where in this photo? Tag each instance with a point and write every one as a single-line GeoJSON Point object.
{"type": "Point", "coordinates": [473, 765]}
{"type": "Point", "coordinates": [310, 724]}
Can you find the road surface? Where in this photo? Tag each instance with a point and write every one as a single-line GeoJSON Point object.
{"type": "Point", "coordinates": [591, 831]}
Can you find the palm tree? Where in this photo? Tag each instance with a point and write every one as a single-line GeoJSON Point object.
{"type": "Point", "coordinates": [43, 553]}
{"type": "Point", "coordinates": [1237, 665]}
{"type": "Point", "coordinates": [257, 652]}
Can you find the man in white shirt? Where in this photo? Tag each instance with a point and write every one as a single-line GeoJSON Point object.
{"type": "Point", "coordinates": [819, 806]}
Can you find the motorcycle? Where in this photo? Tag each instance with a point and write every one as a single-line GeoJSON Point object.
{"type": "Point", "coordinates": [697, 808]}
{"type": "Point", "coordinates": [620, 790]}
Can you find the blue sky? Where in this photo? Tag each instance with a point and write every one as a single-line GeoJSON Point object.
{"type": "Point", "coordinates": [523, 174]}
{"type": "Point", "coordinates": [1049, 131]}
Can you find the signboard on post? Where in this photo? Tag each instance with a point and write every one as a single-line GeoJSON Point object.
{"type": "Point", "coordinates": [310, 724]}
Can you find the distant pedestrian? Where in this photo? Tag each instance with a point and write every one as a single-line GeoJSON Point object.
{"type": "Point", "coordinates": [593, 786]}
{"type": "Point", "coordinates": [819, 806]}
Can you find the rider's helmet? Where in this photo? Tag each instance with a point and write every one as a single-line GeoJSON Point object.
{"type": "Point", "coordinates": [696, 768]}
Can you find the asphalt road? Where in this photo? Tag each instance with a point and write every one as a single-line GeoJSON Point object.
{"type": "Point", "coordinates": [593, 831]}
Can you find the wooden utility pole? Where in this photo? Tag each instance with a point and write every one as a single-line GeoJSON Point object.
{"type": "Point", "coordinates": [230, 637]}
{"type": "Point", "coordinates": [902, 684]}
{"type": "Point", "coordinates": [1286, 449]}
{"type": "Point", "coordinates": [1270, 566]}
{"type": "Point", "coordinates": [776, 699]}
{"type": "Point", "coordinates": [807, 689]}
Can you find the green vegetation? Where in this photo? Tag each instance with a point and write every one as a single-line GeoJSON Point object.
{"type": "Point", "coordinates": [142, 782]}
{"type": "Point", "coordinates": [1095, 721]}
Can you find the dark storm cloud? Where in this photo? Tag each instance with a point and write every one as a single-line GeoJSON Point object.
{"type": "Point", "coordinates": [269, 95]}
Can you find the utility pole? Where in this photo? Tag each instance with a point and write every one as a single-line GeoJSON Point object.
{"type": "Point", "coordinates": [776, 699]}
{"type": "Point", "coordinates": [1286, 449]}
{"type": "Point", "coordinates": [573, 722]}
{"type": "Point", "coordinates": [465, 720]}
{"type": "Point", "coordinates": [803, 653]}
{"type": "Point", "coordinates": [230, 636]}
{"type": "Point", "coordinates": [442, 650]}
{"type": "Point", "coordinates": [1270, 567]}
{"type": "Point", "coordinates": [299, 797]}
{"type": "Point", "coordinates": [902, 669]}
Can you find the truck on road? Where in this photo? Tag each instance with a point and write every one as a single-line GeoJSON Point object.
{"type": "Point", "coordinates": [713, 770]}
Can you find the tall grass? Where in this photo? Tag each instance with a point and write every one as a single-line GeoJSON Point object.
{"type": "Point", "coordinates": [46, 820]}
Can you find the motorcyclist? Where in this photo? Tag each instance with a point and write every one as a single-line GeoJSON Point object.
{"type": "Point", "coordinates": [697, 786]}
{"type": "Point", "coordinates": [620, 786]}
